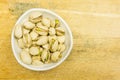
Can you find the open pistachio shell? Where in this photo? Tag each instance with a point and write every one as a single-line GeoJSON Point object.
{"type": "Point", "coordinates": [34, 50]}
{"type": "Point", "coordinates": [27, 40]}
{"type": "Point", "coordinates": [37, 63]}
{"type": "Point", "coordinates": [37, 57]}
{"type": "Point", "coordinates": [44, 55]}
{"type": "Point", "coordinates": [21, 43]}
{"type": "Point", "coordinates": [52, 23]}
{"type": "Point", "coordinates": [34, 35]}
{"type": "Point", "coordinates": [60, 31]}
{"type": "Point", "coordinates": [18, 31]}
{"type": "Point", "coordinates": [25, 56]}
{"type": "Point", "coordinates": [55, 56]}
{"type": "Point", "coordinates": [53, 45]}
{"type": "Point", "coordinates": [61, 47]}
{"type": "Point", "coordinates": [28, 25]}
{"type": "Point", "coordinates": [42, 40]}
{"type": "Point", "coordinates": [26, 31]}
{"type": "Point", "coordinates": [61, 39]}
{"type": "Point", "coordinates": [35, 17]}
{"type": "Point", "coordinates": [52, 31]}
{"type": "Point", "coordinates": [46, 22]}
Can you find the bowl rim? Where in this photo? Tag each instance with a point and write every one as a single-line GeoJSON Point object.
{"type": "Point", "coordinates": [58, 63]}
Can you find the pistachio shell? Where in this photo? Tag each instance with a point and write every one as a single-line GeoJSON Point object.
{"type": "Point", "coordinates": [37, 63]}
{"type": "Point", "coordinates": [44, 55]}
{"type": "Point", "coordinates": [34, 35]}
{"type": "Point", "coordinates": [52, 31]}
{"type": "Point", "coordinates": [46, 22]}
{"type": "Point", "coordinates": [18, 31]}
{"type": "Point", "coordinates": [61, 47]}
{"type": "Point", "coordinates": [46, 46]}
{"type": "Point", "coordinates": [52, 37]}
{"type": "Point", "coordinates": [42, 40]}
{"type": "Point", "coordinates": [34, 50]}
{"type": "Point", "coordinates": [20, 43]}
{"type": "Point", "coordinates": [55, 56]}
{"type": "Point", "coordinates": [36, 57]}
{"type": "Point", "coordinates": [57, 23]}
{"type": "Point", "coordinates": [53, 45]}
{"type": "Point", "coordinates": [52, 23]}
{"type": "Point", "coordinates": [27, 40]}
{"type": "Point", "coordinates": [60, 31]}
{"type": "Point", "coordinates": [29, 25]}
{"type": "Point", "coordinates": [25, 31]}
{"type": "Point", "coordinates": [61, 39]}
{"type": "Point", "coordinates": [35, 17]}
{"type": "Point", "coordinates": [25, 56]}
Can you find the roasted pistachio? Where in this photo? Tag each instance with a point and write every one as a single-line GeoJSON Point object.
{"type": "Point", "coordinates": [34, 50]}
{"type": "Point", "coordinates": [21, 43]}
{"type": "Point", "coordinates": [60, 31]}
{"type": "Point", "coordinates": [29, 25]}
{"type": "Point", "coordinates": [27, 40]}
{"type": "Point", "coordinates": [52, 31]}
{"type": "Point", "coordinates": [55, 56]}
{"type": "Point", "coordinates": [18, 31]}
{"type": "Point", "coordinates": [53, 45]}
{"type": "Point", "coordinates": [61, 39]}
{"type": "Point", "coordinates": [46, 22]}
{"type": "Point", "coordinates": [61, 47]}
{"type": "Point", "coordinates": [34, 35]}
{"type": "Point", "coordinates": [42, 40]}
{"type": "Point", "coordinates": [44, 55]}
{"type": "Point", "coordinates": [57, 23]}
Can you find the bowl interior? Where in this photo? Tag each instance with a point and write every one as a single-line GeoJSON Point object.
{"type": "Point", "coordinates": [68, 40]}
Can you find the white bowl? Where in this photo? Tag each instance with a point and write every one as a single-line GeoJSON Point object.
{"type": "Point", "coordinates": [68, 42]}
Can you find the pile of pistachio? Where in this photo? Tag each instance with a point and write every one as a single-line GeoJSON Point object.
{"type": "Point", "coordinates": [41, 39]}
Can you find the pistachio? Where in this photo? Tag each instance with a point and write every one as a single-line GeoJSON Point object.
{"type": "Point", "coordinates": [53, 45]}
{"type": "Point", "coordinates": [26, 31]}
{"type": "Point", "coordinates": [35, 17]}
{"type": "Point", "coordinates": [61, 47]}
{"type": "Point", "coordinates": [57, 23]}
{"type": "Point", "coordinates": [44, 55]}
{"type": "Point", "coordinates": [37, 63]}
{"type": "Point", "coordinates": [25, 56]}
{"type": "Point", "coordinates": [52, 37]}
{"type": "Point", "coordinates": [61, 39]}
{"type": "Point", "coordinates": [18, 31]}
{"type": "Point", "coordinates": [46, 46]}
{"type": "Point", "coordinates": [20, 43]}
{"type": "Point", "coordinates": [34, 50]}
{"type": "Point", "coordinates": [34, 35]}
{"type": "Point", "coordinates": [27, 40]}
{"type": "Point", "coordinates": [60, 31]}
{"type": "Point", "coordinates": [29, 25]}
{"type": "Point", "coordinates": [52, 23]}
{"type": "Point", "coordinates": [42, 40]}
{"type": "Point", "coordinates": [55, 56]}
{"type": "Point", "coordinates": [52, 31]}
{"type": "Point", "coordinates": [46, 22]}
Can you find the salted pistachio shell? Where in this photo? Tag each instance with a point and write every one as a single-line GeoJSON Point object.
{"type": "Point", "coordinates": [52, 31]}
{"type": "Point", "coordinates": [34, 35]}
{"type": "Point", "coordinates": [34, 50]}
{"type": "Point", "coordinates": [18, 31]}
{"type": "Point", "coordinates": [26, 31]}
{"type": "Point", "coordinates": [53, 45]}
{"type": "Point", "coordinates": [42, 30]}
{"type": "Point", "coordinates": [44, 55]}
{"type": "Point", "coordinates": [27, 40]}
{"type": "Point", "coordinates": [52, 23]}
{"type": "Point", "coordinates": [21, 43]}
{"type": "Point", "coordinates": [57, 23]}
{"type": "Point", "coordinates": [55, 56]}
{"type": "Point", "coordinates": [35, 17]}
{"type": "Point", "coordinates": [61, 47]}
{"type": "Point", "coordinates": [25, 56]}
{"type": "Point", "coordinates": [28, 25]}
{"type": "Point", "coordinates": [46, 22]}
{"type": "Point", "coordinates": [42, 40]}
{"type": "Point", "coordinates": [60, 31]}
{"type": "Point", "coordinates": [46, 46]}
{"type": "Point", "coordinates": [52, 37]}
{"type": "Point", "coordinates": [61, 39]}
{"type": "Point", "coordinates": [37, 63]}
{"type": "Point", "coordinates": [37, 57]}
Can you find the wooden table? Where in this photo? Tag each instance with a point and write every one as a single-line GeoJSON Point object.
{"type": "Point", "coordinates": [95, 25]}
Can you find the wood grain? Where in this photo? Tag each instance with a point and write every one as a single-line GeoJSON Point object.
{"type": "Point", "coordinates": [95, 25]}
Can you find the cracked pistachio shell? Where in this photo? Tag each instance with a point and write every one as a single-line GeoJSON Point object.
{"type": "Point", "coordinates": [18, 31]}
{"type": "Point", "coordinates": [60, 31]}
{"type": "Point", "coordinates": [61, 47]}
{"type": "Point", "coordinates": [34, 35]}
{"type": "Point", "coordinates": [37, 63]}
{"type": "Point", "coordinates": [21, 43]}
{"type": "Point", "coordinates": [42, 40]}
{"type": "Point", "coordinates": [55, 56]}
{"type": "Point", "coordinates": [35, 17]}
{"type": "Point", "coordinates": [42, 30]}
{"type": "Point", "coordinates": [61, 39]}
{"type": "Point", "coordinates": [28, 25]}
{"type": "Point", "coordinates": [25, 56]}
{"type": "Point", "coordinates": [44, 55]}
{"type": "Point", "coordinates": [46, 22]}
{"type": "Point", "coordinates": [52, 31]}
{"type": "Point", "coordinates": [52, 23]}
{"type": "Point", "coordinates": [53, 45]}
{"type": "Point", "coordinates": [37, 57]}
{"type": "Point", "coordinates": [25, 31]}
{"type": "Point", "coordinates": [27, 40]}
{"type": "Point", "coordinates": [34, 50]}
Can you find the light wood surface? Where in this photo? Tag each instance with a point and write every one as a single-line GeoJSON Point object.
{"type": "Point", "coordinates": [95, 25]}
